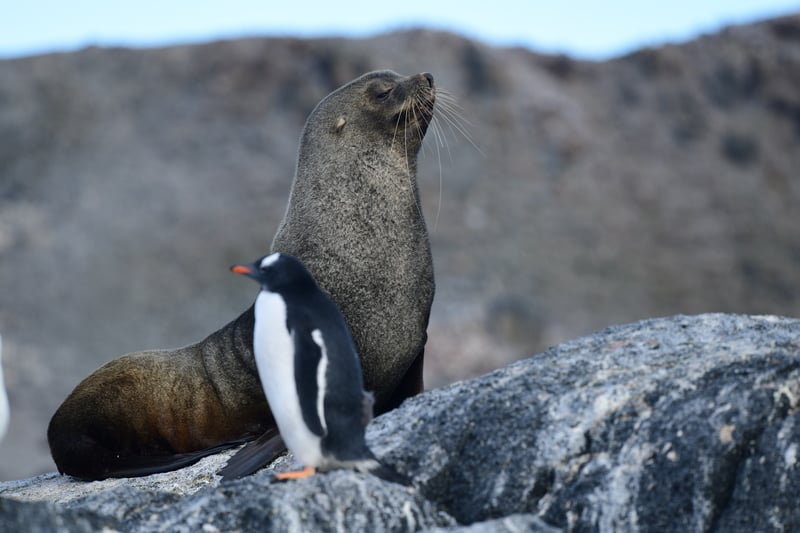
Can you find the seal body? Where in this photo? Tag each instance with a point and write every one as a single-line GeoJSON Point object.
{"type": "Point", "coordinates": [355, 220]}
{"type": "Point", "coordinates": [308, 367]}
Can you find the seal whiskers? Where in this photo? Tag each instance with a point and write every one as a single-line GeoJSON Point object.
{"type": "Point", "coordinates": [453, 115]}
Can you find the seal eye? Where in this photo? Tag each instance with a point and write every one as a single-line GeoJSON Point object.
{"type": "Point", "coordinates": [383, 95]}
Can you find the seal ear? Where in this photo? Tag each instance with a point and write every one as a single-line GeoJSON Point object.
{"type": "Point", "coordinates": [340, 122]}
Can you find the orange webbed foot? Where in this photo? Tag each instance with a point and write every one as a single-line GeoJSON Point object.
{"type": "Point", "coordinates": [295, 474]}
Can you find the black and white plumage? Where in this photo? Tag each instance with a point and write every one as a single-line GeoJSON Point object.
{"type": "Point", "coordinates": [309, 368]}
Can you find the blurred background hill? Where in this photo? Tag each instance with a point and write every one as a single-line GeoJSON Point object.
{"type": "Point", "coordinates": [663, 181]}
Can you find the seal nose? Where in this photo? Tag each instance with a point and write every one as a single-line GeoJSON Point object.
{"type": "Point", "coordinates": [429, 77]}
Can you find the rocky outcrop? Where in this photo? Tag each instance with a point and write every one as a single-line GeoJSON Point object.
{"type": "Point", "coordinates": [689, 423]}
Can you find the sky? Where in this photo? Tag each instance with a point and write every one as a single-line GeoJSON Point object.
{"type": "Point", "coordinates": [581, 28]}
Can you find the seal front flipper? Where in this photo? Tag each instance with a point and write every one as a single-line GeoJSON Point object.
{"type": "Point", "coordinates": [254, 455]}
{"type": "Point", "coordinates": [411, 384]}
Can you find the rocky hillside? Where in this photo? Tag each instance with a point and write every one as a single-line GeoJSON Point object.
{"type": "Point", "coordinates": [660, 182]}
{"type": "Point", "coordinates": [677, 424]}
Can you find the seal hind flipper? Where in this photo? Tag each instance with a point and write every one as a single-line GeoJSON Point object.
{"type": "Point", "coordinates": [121, 466]}
{"type": "Point", "coordinates": [254, 455]}
{"type": "Point", "coordinates": [144, 466]}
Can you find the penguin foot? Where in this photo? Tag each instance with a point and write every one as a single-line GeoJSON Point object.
{"type": "Point", "coordinates": [296, 474]}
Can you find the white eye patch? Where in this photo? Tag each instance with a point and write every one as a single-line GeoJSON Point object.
{"type": "Point", "coordinates": [267, 261]}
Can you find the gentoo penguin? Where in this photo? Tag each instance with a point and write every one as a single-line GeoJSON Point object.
{"type": "Point", "coordinates": [309, 369]}
{"type": "Point", "coordinates": [3, 397]}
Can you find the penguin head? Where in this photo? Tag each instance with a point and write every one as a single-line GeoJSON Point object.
{"type": "Point", "coordinates": [275, 271]}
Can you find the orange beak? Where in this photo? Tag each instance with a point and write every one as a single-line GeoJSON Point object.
{"type": "Point", "coordinates": [241, 269]}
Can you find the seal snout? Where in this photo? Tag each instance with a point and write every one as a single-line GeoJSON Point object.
{"type": "Point", "coordinates": [428, 76]}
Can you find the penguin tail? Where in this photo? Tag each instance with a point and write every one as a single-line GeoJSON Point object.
{"type": "Point", "coordinates": [387, 473]}
{"type": "Point", "coordinates": [372, 465]}
{"type": "Point", "coordinates": [254, 455]}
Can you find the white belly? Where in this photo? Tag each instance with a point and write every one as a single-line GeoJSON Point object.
{"type": "Point", "coordinates": [274, 353]}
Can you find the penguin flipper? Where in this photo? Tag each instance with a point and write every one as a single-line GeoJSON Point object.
{"type": "Point", "coordinates": [254, 455]}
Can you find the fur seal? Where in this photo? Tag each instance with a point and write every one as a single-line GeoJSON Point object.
{"type": "Point", "coordinates": [354, 218]}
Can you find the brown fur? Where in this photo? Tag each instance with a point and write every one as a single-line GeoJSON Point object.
{"type": "Point", "coordinates": [156, 410]}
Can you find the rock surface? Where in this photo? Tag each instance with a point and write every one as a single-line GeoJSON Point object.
{"type": "Point", "coordinates": [688, 423]}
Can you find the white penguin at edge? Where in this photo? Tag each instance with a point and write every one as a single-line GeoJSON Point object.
{"type": "Point", "coordinates": [4, 411]}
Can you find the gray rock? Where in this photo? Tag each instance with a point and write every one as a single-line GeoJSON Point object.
{"type": "Point", "coordinates": [665, 424]}
{"type": "Point", "coordinates": [514, 523]}
{"type": "Point", "coordinates": [192, 500]}
{"type": "Point", "coordinates": [672, 424]}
